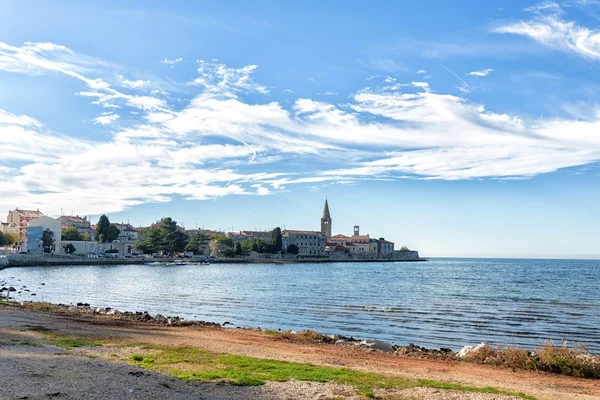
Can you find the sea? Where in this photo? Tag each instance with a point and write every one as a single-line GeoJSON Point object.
{"type": "Point", "coordinates": [440, 303]}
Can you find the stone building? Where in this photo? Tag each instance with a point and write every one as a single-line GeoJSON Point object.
{"type": "Point", "coordinates": [309, 243]}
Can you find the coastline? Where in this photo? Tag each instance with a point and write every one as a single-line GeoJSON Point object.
{"type": "Point", "coordinates": [302, 347]}
{"type": "Point", "coordinates": [27, 260]}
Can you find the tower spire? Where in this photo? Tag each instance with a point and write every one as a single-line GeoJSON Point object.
{"type": "Point", "coordinates": [326, 221]}
{"type": "Point", "coordinates": [326, 211]}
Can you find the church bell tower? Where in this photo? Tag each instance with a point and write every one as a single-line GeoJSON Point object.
{"type": "Point", "coordinates": [326, 222]}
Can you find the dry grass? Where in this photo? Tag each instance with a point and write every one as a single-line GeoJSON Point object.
{"type": "Point", "coordinates": [575, 361]}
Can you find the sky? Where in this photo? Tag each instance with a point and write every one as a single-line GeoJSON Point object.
{"type": "Point", "coordinates": [463, 129]}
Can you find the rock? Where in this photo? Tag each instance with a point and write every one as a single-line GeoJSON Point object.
{"type": "Point", "coordinates": [341, 342]}
{"type": "Point", "coordinates": [334, 337]}
{"type": "Point", "coordinates": [160, 319]}
{"type": "Point", "coordinates": [470, 350]}
{"type": "Point", "coordinates": [146, 317]}
{"type": "Point", "coordinates": [377, 345]}
{"type": "Point", "coordinates": [12, 289]}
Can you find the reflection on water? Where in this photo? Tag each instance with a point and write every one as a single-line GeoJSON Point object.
{"type": "Point", "coordinates": [441, 303]}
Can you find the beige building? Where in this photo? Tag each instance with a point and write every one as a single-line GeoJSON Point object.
{"type": "Point", "coordinates": [80, 223]}
{"type": "Point", "coordinates": [21, 218]}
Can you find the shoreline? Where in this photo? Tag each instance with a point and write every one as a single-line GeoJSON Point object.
{"type": "Point", "coordinates": [23, 260]}
{"type": "Point", "coordinates": [129, 338]}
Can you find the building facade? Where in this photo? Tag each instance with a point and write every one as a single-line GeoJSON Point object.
{"type": "Point", "coordinates": [309, 243]}
{"type": "Point", "coordinates": [80, 223]}
{"type": "Point", "coordinates": [21, 218]}
{"type": "Point", "coordinates": [35, 231]}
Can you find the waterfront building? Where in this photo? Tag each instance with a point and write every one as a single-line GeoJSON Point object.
{"type": "Point", "coordinates": [127, 233]}
{"type": "Point", "coordinates": [309, 243]}
{"type": "Point", "coordinates": [242, 236]}
{"type": "Point", "coordinates": [385, 248]}
{"type": "Point", "coordinates": [21, 218]}
{"type": "Point", "coordinates": [81, 224]}
{"type": "Point", "coordinates": [35, 229]}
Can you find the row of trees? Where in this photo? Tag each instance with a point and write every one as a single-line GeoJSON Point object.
{"type": "Point", "coordinates": [7, 239]}
{"type": "Point", "coordinates": [167, 238]}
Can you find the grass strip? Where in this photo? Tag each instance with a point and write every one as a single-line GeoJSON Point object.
{"type": "Point", "coordinates": [200, 365]}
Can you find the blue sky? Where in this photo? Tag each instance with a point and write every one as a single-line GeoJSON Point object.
{"type": "Point", "coordinates": [461, 128]}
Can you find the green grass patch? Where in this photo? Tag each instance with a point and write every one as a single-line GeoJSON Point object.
{"type": "Point", "coordinates": [69, 342]}
{"type": "Point", "coordinates": [200, 365]}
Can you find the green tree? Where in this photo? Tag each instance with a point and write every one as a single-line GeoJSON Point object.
{"type": "Point", "coordinates": [70, 249]}
{"type": "Point", "coordinates": [276, 240]}
{"type": "Point", "coordinates": [247, 246]}
{"type": "Point", "coordinates": [164, 237]}
{"type": "Point", "coordinates": [196, 241]}
{"type": "Point", "coordinates": [238, 250]}
{"type": "Point", "coordinates": [11, 238]}
{"type": "Point", "coordinates": [105, 232]}
{"type": "Point", "coordinates": [48, 241]}
{"type": "Point", "coordinates": [2, 239]}
{"type": "Point", "coordinates": [292, 249]}
{"type": "Point", "coordinates": [71, 233]}
{"type": "Point", "coordinates": [404, 248]}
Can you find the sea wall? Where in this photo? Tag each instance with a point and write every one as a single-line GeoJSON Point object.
{"type": "Point", "coordinates": [28, 260]}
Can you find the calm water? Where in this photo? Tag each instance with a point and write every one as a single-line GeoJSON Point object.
{"type": "Point", "coordinates": [440, 303]}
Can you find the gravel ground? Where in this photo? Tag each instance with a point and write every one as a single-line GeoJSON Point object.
{"type": "Point", "coordinates": [43, 372]}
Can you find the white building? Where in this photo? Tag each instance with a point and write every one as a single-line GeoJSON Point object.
{"type": "Point", "coordinates": [35, 231]}
{"type": "Point", "coordinates": [309, 243]}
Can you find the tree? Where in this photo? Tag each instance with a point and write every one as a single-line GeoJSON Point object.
{"type": "Point", "coordinates": [105, 232]}
{"type": "Point", "coordinates": [11, 238]}
{"type": "Point", "coordinates": [292, 249]}
{"type": "Point", "coordinates": [70, 249]}
{"type": "Point", "coordinates": [404, 248]}
{"type": "Point", "coordinates": [238, 250]}
{"type": "Point", "coordinates": [48, 241]}
{"type": "Point", "coordinates": [247, 246]}
{"type": "Point", "coordinates": [85, 237]}
{"type": "Point", "coordinates": [2, 239]}
{"type": "Point", "coordinates": [164, 237]}
{"type": "Point", "coordinates": [71, 233]}
{"type": "Point", "coordinates": [276, 240]}
{"type": "Point", "coordinates": [196, 241]}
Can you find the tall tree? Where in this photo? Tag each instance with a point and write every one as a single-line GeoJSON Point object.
{"type": "Point", "coordinates": [105, 232]}
{"type": "Point", "coordinates": [2, 239]}
{"type": "Point", "coordinates": [198, 240]}
{"type": "Point", "coordinates": [164, 237]}
{"type": "Point", "coordinates": [71, 233]}
{"type": "Point", "coordinates": [11, 238]}
{"type": "Point", "coordinates": [238, 250]}
{"type": "Point", "coordinates": [48, 241]}
{"type": "Point", "coordinates": [276, 239]}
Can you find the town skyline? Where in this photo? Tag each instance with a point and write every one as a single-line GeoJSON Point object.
{"type": "Point", "coordinates": [458, 134]}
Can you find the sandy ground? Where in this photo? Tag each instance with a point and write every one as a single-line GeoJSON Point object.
{"type": "Point", "coordinates": [43, 371]}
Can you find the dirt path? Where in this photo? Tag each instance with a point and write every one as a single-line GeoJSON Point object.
{"type": "Point", "coordinates": [256, 344]}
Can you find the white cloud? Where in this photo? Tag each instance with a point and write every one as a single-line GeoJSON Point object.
{"type": "Point", "coordinates": [172, 63]}
{"type": "Point", "coordinates": [483, 72]}
{"type": "Point", "coordinates": [220, 79]}
{"type": "Point", "coordinates": [106, 119]}
{"type": "Point", "coordinates": [549, 28]}
{"type": "Point", "coordinates": [220, 144]}
{"type": "Point", "coordinates": [421, 71]}
{"type": "Point", "coordinates": [137, 84]}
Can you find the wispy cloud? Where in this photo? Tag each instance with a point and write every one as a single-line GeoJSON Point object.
{"type": "Point", "coordinates": [106, 118]}
{"type": "Point", "coordinates": [137, 84]}
{"type": "Point", "coordinates": [172, 63]}
{"type": "Point", "coordinates": [549, 28]}
{"type": "Point", "coordinates": [483, 72]}
{"type": "Point", "coordinates": [222, 144]}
